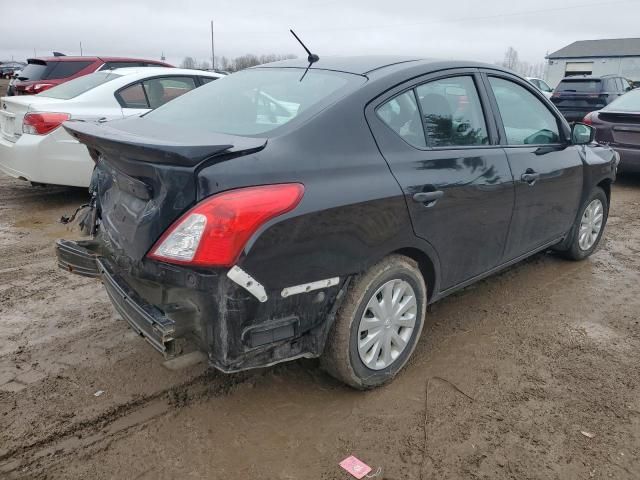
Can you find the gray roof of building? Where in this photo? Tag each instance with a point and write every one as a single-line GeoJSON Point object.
{"type": "Point", "coordinates": [612, 47]}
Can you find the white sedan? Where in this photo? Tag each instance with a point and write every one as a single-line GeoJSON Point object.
{"type": "Point", "coordinates": [33, 147]}
{"type": "Point", "coordinates": [541, 85]}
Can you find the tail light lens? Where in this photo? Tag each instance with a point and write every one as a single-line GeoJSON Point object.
{"type": "Point", "coordinates": [214, 232]}
{"type": "Point", "coordinates": [41, 123]}
{"type": "Point", "coordinates": [41, 87]}
{"type": "Point", "coordinates": [589, 117]}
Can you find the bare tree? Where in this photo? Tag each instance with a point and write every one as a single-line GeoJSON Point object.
{"type": "Point", "coordinates": [188, 62]}
{"type": "Point", "coordinates": [204, 65]}
{"type": "Point", "coordinates": [510, 59]}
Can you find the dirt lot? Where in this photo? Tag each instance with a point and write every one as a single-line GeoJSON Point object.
{"type": "Point", "coordinates": [545, 351]}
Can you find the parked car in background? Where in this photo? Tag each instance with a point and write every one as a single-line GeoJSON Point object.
{"type": "Point", "coordinates": [541, 85]}
{"type": "Point", "coordinates": [618, 124]}
{"type": "Point", "coordinates": [578, 95]}
{"type": "Point", "coordinates": [9, 69]}
{"type": "Point", "coordinates": [10, 88]}
{"type": "Point", "coordinates": [43, 73]}
{"type": "Point", "coordinates": [34, 148]}
{"type": "Point", "coordinates": [280, 213]}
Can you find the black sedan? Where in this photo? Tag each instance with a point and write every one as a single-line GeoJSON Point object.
{"type": "Point", "coordinates": [276, 213]}
{"type": "Point", "coordinates": [618, 124]}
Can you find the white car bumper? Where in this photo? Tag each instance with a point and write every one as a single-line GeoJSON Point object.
{"type": "Point", "coordinates": [55, 159]}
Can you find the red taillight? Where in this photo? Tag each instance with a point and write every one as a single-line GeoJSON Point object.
{"type": "Point", "coordinates": [41, 87]}
{"type": "Point", "coordinates": [41, 123]}
{"type": "Point", "coordinates": [214, 232]}
{"type": "Point", "coordinates": [588, 118]}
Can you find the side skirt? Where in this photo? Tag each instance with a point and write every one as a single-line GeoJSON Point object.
{"type": "Point", "coordinates": [488, 273]}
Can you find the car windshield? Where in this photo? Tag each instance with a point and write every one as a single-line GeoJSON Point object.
{"type": "Point", "coordinates": [629, 102]}
{"type": "Point", "coordinates": [78, 86]}
{"type": "Point", "coordinates": [254, 101]}
{"type": "Point", "coordinates": [579, 86]}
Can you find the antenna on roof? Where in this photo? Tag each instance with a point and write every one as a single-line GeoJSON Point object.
{"type": "Point", "coordinates": [312, 57]}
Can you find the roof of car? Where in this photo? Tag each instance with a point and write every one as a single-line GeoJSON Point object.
{"type": "Point", "coordinates": [151, 71]}
{"type": "Point", "coordinates": [364, 65]}
{"type": "Point", "coordinates": [589, 77]}
{"type": "Point", "coordinates": [357, 64]}
{"type": "Point", "coordinates": [66, 58]}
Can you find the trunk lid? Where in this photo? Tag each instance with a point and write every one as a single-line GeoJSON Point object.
{"type": "Point", "coordinates": [146, 175]}
{"type": "Point", "coordinates": [625, 127]}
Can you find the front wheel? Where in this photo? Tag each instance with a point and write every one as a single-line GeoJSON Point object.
{"type": "Point", "coordinates": [378, 325]}
{"type": "Point", "coordinates": [589, 226]}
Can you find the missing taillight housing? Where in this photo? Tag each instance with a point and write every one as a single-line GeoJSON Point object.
{"type": "Point", "coordinates": [42, 123]}
{"type": "Point", "coordinates": [215, 231]}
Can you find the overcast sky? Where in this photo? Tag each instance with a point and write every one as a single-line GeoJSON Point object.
{"type": "Point", "coordinates": [462, 29]}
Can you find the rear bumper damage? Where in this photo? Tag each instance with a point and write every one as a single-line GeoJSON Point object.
{"type": "Point", "coordinates": [179, 310]}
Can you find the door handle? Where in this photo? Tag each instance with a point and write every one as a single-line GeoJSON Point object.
{"type": "Point", "coordinates": [530, 177]}
{"type": "Point", "coordinates": [429, 199]}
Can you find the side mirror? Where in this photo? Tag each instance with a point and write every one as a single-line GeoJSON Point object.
{"type": "Point", "coordinates": [582, 134]}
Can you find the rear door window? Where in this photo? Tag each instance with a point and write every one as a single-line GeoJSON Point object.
{"type": "Point", "coordinates": [402, 115]}
{"type": "Point", "coordinates": [526, 120]}
{"type": "Point", "coordinates": [452, 113]}
{"type": "Point", "coordinates": [162, 90]}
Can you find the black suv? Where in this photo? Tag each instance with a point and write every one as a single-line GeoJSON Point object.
{"type": "Point", "coordinates": [286, 211]}
{"type": "Point", "coordinates": [578, 95]}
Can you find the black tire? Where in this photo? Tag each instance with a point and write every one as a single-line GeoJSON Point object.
{"type": "Point", "coordinates": [341, 358]}
{"type": "Point", "coordinates": [572, 250]}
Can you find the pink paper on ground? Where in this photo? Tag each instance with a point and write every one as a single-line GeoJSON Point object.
{"type": "Point", "coordinates": [355, 467]}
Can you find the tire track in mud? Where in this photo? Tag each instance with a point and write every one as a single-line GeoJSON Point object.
{"type": "Point", "coordinates": [117, 420]}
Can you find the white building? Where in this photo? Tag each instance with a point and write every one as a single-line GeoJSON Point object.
{"type": "Point", "coordinates": [620, 56]}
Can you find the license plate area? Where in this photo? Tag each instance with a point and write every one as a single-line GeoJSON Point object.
{"type": "Point", "coordinates": [7, 125]}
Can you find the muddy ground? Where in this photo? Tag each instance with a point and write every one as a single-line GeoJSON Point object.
{"type": "Point", "coordinates": [545, 351]}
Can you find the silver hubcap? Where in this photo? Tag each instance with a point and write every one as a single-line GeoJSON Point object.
{"type": "Point", "coordinates": [387, 324]}
{"type": "Point", "coordinates": [590, 225]}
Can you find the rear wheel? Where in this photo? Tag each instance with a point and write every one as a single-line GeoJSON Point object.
{"type": "Point", "coordinates": [589, 226]}
{"type": "Point", "coordinates": [378, 324]}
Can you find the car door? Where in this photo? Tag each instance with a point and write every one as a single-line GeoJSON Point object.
{"type": "Point", "coordinates": [547, 170]}
{"type": "Point", "coordinates": [438, 137]}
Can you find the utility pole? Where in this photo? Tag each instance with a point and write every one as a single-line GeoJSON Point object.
{"type": "Point", "coordinates": [213, 58]}
{"type": "Point", "coordinates": [81, 48]}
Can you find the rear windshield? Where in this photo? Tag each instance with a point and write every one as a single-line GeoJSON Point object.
{"type": "Point", "coordinates": [78, 86]}
{"type": "Point", "coordinates": [579, 86]}
{"type": "Point", "coordinates": [51, 70]}
{"type": "Point", "coordinates": [629, 102]}
{"type": "Point", "coordinates": [254, 101]}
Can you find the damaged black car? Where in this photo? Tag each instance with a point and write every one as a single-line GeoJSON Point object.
{"type": "Point", "coordinates": [295, 210]}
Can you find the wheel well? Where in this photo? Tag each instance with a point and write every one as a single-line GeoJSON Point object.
{"type": "Point", "coordinates": [606, 186]}
{"type": "Point", "coordinates": [426, 267]}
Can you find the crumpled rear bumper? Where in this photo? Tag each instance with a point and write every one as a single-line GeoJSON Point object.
{"type": "Point", "coordinates": [179, 310]}
{"type": "Point", "coordinates": [147, 320]}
